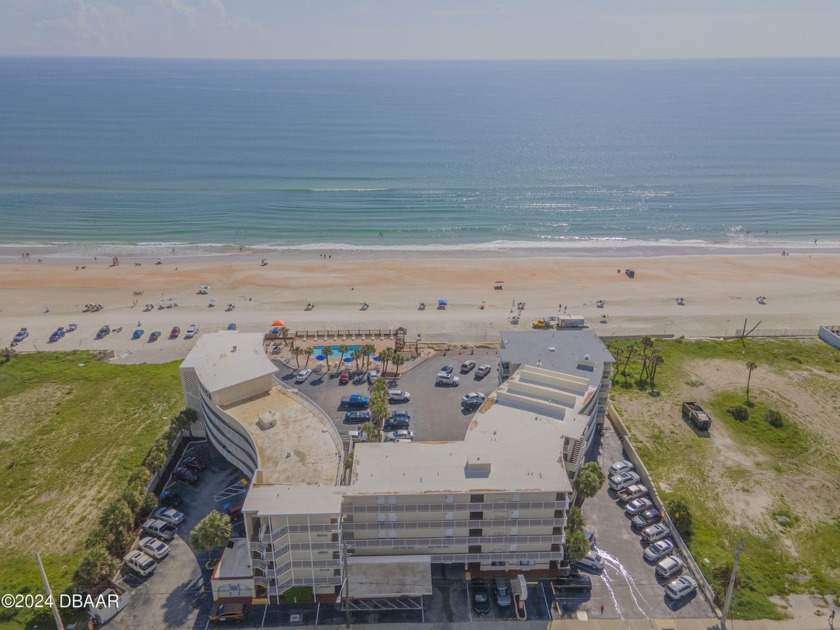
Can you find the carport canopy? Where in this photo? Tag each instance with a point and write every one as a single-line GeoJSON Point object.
{"type": "Point", "coordinates": [389, 576]}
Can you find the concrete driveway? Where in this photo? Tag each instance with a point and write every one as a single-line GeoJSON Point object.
{"type": "Point", "coordinates": [628, 588]}
{"type": "Point", "coordinates": [178, 594]}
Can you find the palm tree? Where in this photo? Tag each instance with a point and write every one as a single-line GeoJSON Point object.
{"type": "Point", "coordinates": [373, 432]}
{"type": "Point", "coordinates": [96, 565]}
{"type": "Point", "coordinates": [327, 351]}
{"type": "Point", "coordinates": [308, 352]}
{"type": "Point", "coordinates": [385, 356]}
{"type": "Point", "coordinates": [343, 349]}
{"type": "Point", "coordinates": [157, 458]}
{"type": "Point", "coordinates": [357, 357]}
{"type": "Point", "coordinates": [628, 354]}
{"type": "Point", "coordinates": [284, 332]}
{"type": "Point", "coordinates": [647, 344]}
{"type": "Point", "coordinates": [368, 350]}
{"type": "Point", "coordinates": [185, 420]}
{"type": "Point", "coordinates": [297, 351]}
{"type": "Point", "coordinates": [7, 353]}
{"type": "Point", "coordinates": [212, 532]}
{"type": "Point", "coordinates": [751, 367]}
{"type": "Point", "coordinates": [398, 360]}
{"type": "Point", "coordinates": [656, 360]}
{"type": "Point", "coordinates": [589, 480]}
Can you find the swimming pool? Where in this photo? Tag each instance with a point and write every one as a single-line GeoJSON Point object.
{"type": "Point", "coordinates": [320, 350]}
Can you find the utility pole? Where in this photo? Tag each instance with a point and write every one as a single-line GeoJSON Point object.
{"type": "Point", "coordinates": [731, 584]}
{"type": "Point", "coordinates": [346, 585]}
{"type": "Point", "coordinates": [58, 623]}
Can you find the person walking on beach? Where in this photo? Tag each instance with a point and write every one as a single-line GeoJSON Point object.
{"type": "Point", "coordinates": [831, 619]}
{"type": "Point", "coordinates": [602, 609]}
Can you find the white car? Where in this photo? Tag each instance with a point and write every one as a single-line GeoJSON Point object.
{"type": "Point", "coordinates": [669, 566]}
{"type": "Point", "coordinates": [398, 434]}
{"type": "Point", "coordinates": [398, 395]}
{"type": "Point", "coordinates": [655, 532]}
{"type": "Point", "coordinates": [622, 480]}
{"type": "Point", "coordinates": [446, 379]}
{"type": "Point", "coordinates": [473, 399]}
{"type": "Point", "coordinates": [192, 331]}
{"type": "Point", "coordinates": [620, 467]}
{"type": "Point", "coordinates": [168, 515]}
{"type": "Point", "coordinates": [140, 563]}
{"type": "Point", "coordinates": [682, 586]}
{"type": "Point", "coordinates": [372, 376]}
{"type": "Point", "coordinates": [302, 376]}
{"type": "Point", "coordinates": [659, 549]}
{"type": "Point", "coordinates": [153, 547]}
{"type": "Point", "coordinates": [358, 436]}
{"type": "Point", "coordinates": [593, 561]}
{"type": "Point", "coordinates": [483, 371]}
{"type": "Point", "coordinates": [638, 505]}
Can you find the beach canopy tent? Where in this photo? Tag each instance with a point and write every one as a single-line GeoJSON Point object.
{"type": "Point", "coordinates": [203, 289]}
{"type": "Point", "coordinates": [278, 322]}
{"type": "Point", "coordinates": [442, 303]}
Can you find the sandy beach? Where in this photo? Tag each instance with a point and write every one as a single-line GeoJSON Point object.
{"type": "Point", "coordinates": [802, 291]}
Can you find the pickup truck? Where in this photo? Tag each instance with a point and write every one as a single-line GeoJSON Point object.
{"type": "Point", "coordinates": [636, 491]}
{"type": "Point", "coordinates": [356, 401]}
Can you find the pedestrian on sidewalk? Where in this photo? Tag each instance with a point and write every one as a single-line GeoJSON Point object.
{"type": "Point", "coordinates": [602, 609]}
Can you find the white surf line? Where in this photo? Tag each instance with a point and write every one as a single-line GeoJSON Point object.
{"type": "Point", "coordinates": [615, 564]}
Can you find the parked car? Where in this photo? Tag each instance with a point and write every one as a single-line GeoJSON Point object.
{"type": "Point", "coordinates": [467, 367]}
{"type": "Point", "coordinates": [447, 379]}
{"type": "Point", "coordinates": [638, 505]}
{"type": "Point", "coordinates": [159, 529]}
{"type": "Point", "coordinates": [680, 587]}
{"type": "Point", "coordinates": [669, 566]}
{"type": "Point", "coordinates": [103, 332]}
{"type": "Point", "coordinates": [398, 434]}
{"type": "Point", "coordinates": [655, 532]}
{"type": "Point", "coordinates": [400, 415]}
{"type": "Point", "coordinates": [192, 331]}
{"type": "Point", "coordinates": [648, 517]}
{"type": "Point", "coordinates": [21, 335]}
{"type": "Point", "coordinates": [344, 377]}
{"type": "Point", "coordinates": [137, 333]}
{"type": "Point", "coordinates": [154, 336]}
{"type": "Point", "coordinates": [481, 597]}
{"type": "Point", "coordinates": [233, 510]}
{"type": "Point", "coordinates": [186, 475]}
{"type": "Point", "coordinates": [171, 497]}
{"type": "Point", "coordinates": [503, 598]}
{"type": "Point", "coordinates": [636, 491]}
{"type": "Point", "coordinates": [398, 396]}
{"type": "Point", "coordinates": [194, 463]}
{"type": "Point", "coordinates": [169, 515]}
{"type": "Point", "coordinates": [357, 417]}
{"type": "Point", "coordinates": [622, 480]}
{"type": "Point", "coordinates": [592, 561]}
{"type": "Point", "coordinates": [621, 467]}
{"type": "Point", "coordinates": [302, 376]}
{"type": "Point", "coordinates": [473, 399]}
{"type": "Point", "coordinates": [176, 330]}
{"type": "Point", "coordinates": [140, 563]}
{"type": "Point", "coordinates": [231, 326]}
{"type": "Point", "coordinates": [399, 422]}
{"type": "Point", "coordinates": [226, 611]}
{"type": "Point", "coordinates": [58, 334]}
{"type": "Point", "coordinates": [372, 376]}
{"type": "Point", "coordinates": [153, 547]}
{"type": "Point", "coordinates": [658, 550]}
{"type": "Point", "coordinates": [574, 582]}
{"type": "Point", "coordinates": [358, 436]}
{"type": "Point", "coordinates": [483, 371]}
{"type": "Point", "coordinates": [447, 369]}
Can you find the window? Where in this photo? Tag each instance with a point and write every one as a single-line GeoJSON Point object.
{"type": "Point", "coordinates": [474, 549]}
{"type": "Point", "coordinates": [392, 500]}
{"type": "Point", "coordinates": [514, 514]}
{"type": "Point", "coordinates": [526, 563]}
{"type": "Point", "coordinates": [476, 516]}
{"type": "Point", "coordinates": [450, 498]}
{"type": "Point", "coordinates": [476, 498]}
{"type": "Point", "coordinates": [449, 533]}
{"type": "Point", "coordinates": [476, 532]}
{"type": "Point", "coordinates": [498, 563]}
{"type": "Point", "coordinates": [515, 497]}
{"type": "Point", "coordinates": [512, 547]}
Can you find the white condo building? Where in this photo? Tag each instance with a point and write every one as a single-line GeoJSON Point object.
{"type": "Point", "coordinates": [496, 500]}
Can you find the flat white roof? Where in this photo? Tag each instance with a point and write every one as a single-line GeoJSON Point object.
{"type": "Point", "coordinates": [290, 500]}
{"type": "Point", "coordinates": [235, 561]}
{"type": "Point", "coordinates": [227, 358]}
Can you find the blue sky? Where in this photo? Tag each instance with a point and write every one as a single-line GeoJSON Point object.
{"type": "Point", "coordinates": [422, 29]}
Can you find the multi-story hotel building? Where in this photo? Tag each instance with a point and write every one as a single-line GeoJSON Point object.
{"type": "Point", "coordinates": [497, 499]}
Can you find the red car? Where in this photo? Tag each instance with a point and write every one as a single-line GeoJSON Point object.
{"type": "Point", "coordinates": [344, 377]}
{"type": "Point", "coordinates": [173, 334]}
{"type": "Point", "coordinates": [186, 475]}
{"type": "Point", "coordinates": [194, 463]}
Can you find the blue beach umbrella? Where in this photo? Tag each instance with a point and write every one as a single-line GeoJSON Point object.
{"type": "Point", "coordinates": [442, 303]}
{"type": "Point", "coordinates": [376, 358]}
{"type": "Point", "coordinates": [320, 357]}
{"type": "Point", "coordinates": [348, 359]}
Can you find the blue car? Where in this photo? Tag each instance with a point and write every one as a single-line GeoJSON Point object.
{"type": "Point", "coordinates": [58, 334]}
{"type": "Point", "coordinates": [137, 334]}
{"type": "Point", "coordinates": [22, 334]}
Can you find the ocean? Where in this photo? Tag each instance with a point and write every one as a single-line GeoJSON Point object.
{"type": "Point", "coordinates": [146, 155]}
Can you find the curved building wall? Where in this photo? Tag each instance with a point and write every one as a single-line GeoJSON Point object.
{"type": "Point", "coordinates": [229, 438]}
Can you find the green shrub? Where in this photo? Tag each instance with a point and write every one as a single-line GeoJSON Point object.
{"type": "Point", "coordinates": [774, 418]}
{"type": "Point", "coordinates": [740, 413]}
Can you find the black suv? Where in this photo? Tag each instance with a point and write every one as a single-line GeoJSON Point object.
{"type": "Point", "coordinates": [574, 582]}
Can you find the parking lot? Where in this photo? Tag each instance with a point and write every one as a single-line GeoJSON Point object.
{"type": "Point", "coordinates": [436, 412]}
{"type": "Point", "coordinates": [177, 594]}
{"type": "Point", "coordinates": [628, 587]}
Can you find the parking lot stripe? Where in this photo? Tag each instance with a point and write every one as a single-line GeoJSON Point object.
{"type": "Point", "coordinates": [469, 602]}
{"type": "Point", "coordinates": [265, 612]}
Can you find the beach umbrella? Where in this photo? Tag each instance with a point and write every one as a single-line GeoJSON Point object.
{"type": "Point", "coordinates": [376, 358]}
{"type": "Point", "coordinates": [278, 322]}
{"type": "Point", "coordinates": [321, 357]}
{"type": "Point", "coordinates": [348, 359]}
{"type": "Point", "coordinates": [442, 303]}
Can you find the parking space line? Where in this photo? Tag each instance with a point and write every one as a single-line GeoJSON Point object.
{"type": "Point", "coordinates": [469, 602]}
{"type": "Point", "coordinates": [545, 599]}
{"type": "Point", "coordinates": [265, 612]}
